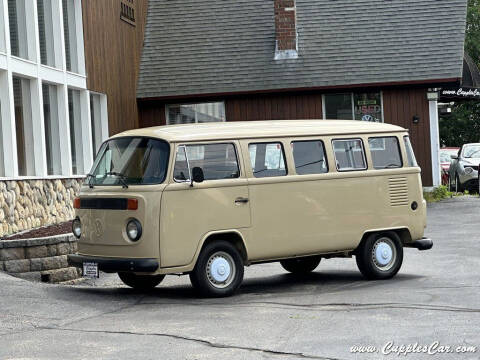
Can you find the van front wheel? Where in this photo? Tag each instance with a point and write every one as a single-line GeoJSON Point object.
{"type": "Point", "coordinates": [140, 282]}
{"type": "Point", "coordinates": [301, 266]}
{"type": "Point", "coordinates": [219, 270]}
{"type": "Point", "coordinates": [380, 256]}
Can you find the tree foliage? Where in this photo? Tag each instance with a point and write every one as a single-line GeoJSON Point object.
{"type": "Point", "coordinates": [463, 124]}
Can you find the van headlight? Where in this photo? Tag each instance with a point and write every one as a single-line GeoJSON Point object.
{"type": "Point", "coordinates": [77, 227]}
{"type": "Point", "coordinates": [134, 230]}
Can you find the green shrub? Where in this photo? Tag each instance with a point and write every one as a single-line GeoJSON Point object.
{"type": "Point", "coordinates": [439, 193]}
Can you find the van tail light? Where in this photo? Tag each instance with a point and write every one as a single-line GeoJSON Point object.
{"type": "Point", "coordinates": [76, 203]}
{"type": "Point", "coordinates": [132, 204]}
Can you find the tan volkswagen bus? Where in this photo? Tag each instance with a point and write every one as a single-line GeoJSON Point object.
{"type": "Point", "coordinates": [208, 199]}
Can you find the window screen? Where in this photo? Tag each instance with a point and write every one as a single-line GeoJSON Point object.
{"type": "Point", "coordinates": [218, 161]}
{"type": "Point", "coordinates": [267, 159]}
{"type": "Point", "coordinates": [385, 152]}
{"type": "Point", "coordinates": [349, 154]}
{"type": "Point", "coordinates": [309, 157]}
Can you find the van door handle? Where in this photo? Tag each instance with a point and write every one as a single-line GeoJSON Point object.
{"type": "Point", "coordinates": [241, 200]}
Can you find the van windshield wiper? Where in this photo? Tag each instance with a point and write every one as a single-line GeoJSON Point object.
{"type": "Point", "coordinates": [121, 177]}
{"type": "Point", "coordinates": [89, 179]}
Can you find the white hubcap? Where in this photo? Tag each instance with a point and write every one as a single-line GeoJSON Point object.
{"type": "Point", "coordinates": [384, 254]}
{"type": "Point", "coordinates": [220, 269]}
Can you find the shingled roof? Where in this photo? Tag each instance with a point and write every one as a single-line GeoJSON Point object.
{"type": "Point", "coordinates": [195, 47]}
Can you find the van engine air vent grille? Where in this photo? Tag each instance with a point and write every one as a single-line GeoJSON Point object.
{"type": "Point", "coordinates": [398, 191]}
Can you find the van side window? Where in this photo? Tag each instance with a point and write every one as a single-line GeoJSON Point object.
{"type": "Point", "coordinates": [267, 159]}
{"type": "Point", "coordinates": [349, 154]}
{"type": "Point", "coordinates": [309, 157]}
{"type": "Point", "coordinates": [412, 162]}
{"type": "Point", "coordinates": [385, 152]}
{"type": "Point", "coordinates": [218, 161]}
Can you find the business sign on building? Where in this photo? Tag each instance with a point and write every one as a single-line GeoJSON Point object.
{"type": "Point", "coordinates": [462, 93]}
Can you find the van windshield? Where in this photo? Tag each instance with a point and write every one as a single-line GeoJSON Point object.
{"type": "Point", "coordinates": [130, 161]}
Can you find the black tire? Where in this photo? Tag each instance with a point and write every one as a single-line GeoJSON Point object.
{"type": "Point", "coordinates": [140, 282]}
{"type": "Point", "coordinates": [367, 261]}
{"type": "Point", "coordinates": [458, 185]}
{"type": "Point", "coordinates": [301, 266]}
{"type": "Point", "coordinates": [221, 256]}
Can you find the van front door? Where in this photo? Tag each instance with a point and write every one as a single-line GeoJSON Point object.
{"type": "Point", "coordinates": [219, 203]}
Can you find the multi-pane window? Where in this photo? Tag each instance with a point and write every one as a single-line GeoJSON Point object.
{"type": "Point", "coordinates": [127, 11]}
{"type": "Point", "coordinates": [217, 161]}
{"type": "Point", "coordinates": [23, 126]}
{"type": "Point", "coordinates": [309, 157]}
{"type": "Point", "coordinates": [70, 35]}
{"type": "Point", "coordinates": [354, 106]}
{"type": "Point", "coordinates": [195, 113]}
{"type": "Point", "coordinates": [349, 154]}
{"type": "Point", "coordinates": [45, 32]}
{"type": "Point", "coordinates": [267, 159]}
{"type": "Point", "coordinates": [75, 131]}
{"type": "Point", "coordinates": [52, 134]}
{"type": "Point", "coordinates": [18, 28]}
{"type": "Point", "coordinates": [385, 152]}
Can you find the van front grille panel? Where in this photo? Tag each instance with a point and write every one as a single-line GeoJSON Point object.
{"type": "Point", "coordinates": [103, 203]}
{"type": "Point", "coordinates": [398, 191]}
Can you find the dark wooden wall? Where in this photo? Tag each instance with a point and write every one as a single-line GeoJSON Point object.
{"type": "Point", "coordinates": [399, 105]}
{"type": "Point", "coordinates": [112, 55]}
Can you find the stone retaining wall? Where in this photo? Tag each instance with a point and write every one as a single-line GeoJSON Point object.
{"type": "Point", "coordinates": [42, 259]}
{"type": "Point", "coordinates": [28, 204]}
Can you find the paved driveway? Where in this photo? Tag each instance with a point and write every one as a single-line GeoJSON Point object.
{"type": "Point", "coordinates": [435, 297]}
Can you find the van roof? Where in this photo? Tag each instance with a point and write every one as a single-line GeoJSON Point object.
{"type": "Point", "coordinates": [260, 129]}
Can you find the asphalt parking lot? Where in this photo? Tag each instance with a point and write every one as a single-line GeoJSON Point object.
{"type": "Point", "coordinates": [434, 298]}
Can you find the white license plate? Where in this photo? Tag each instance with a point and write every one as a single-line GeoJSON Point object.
{"type": "Point", "coordinates": [90, 270]}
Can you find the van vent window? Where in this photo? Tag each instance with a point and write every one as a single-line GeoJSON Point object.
{"type": "Point", "coordinates": [412, 162]}
{"type": "Point", "coordinates": [385, 152]}
{"type": "Point", "coordinates": [267, 159]}
{"type": "Point", "coordinates": [309, 157]}
{"type": "Point", "coordinates": [349, 155]}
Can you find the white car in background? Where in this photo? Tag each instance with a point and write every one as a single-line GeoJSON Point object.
{"type": "Point", "coordinates": [464, 168]}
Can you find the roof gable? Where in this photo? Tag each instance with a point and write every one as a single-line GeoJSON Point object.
{"type": "Point", "coordinates": [195, 47]}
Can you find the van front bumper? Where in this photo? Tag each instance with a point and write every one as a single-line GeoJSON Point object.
{"type": "Point", "coordinates": [113, 265]}
{"type": "Point", "coordinates": [424, 244]}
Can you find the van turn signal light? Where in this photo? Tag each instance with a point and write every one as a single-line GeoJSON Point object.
{"type": "Point", "coordinates": [132, 204]}
{"type": "Point", "coordinates": [76, 203]}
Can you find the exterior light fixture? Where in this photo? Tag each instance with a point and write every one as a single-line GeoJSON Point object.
{"type": "Point", "coordinates": [416, 119]}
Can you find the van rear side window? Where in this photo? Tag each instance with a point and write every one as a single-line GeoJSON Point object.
{"type": "Point", "coordinates": [349, 154]}
{"type": "Point", "coordinates": [385, 152]}
{"type": "Point", "coordinates": [218, 161]}
{"type": "Point", "coordinates": [267, 159]}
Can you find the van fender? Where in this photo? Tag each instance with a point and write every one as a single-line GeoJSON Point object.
{"type": "Point", "coordinates": [403, 233]}
{"type": "Point", "coordinates": [239, 239]}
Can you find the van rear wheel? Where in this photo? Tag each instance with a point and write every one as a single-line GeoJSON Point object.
{"type": "Point", "coordinates": [380, 256]}
{"type": "Point", "coordinates": [140, 282]}
{"type": "Point", "coordinates": [219, 270]}
{"type": "Point", "coordinates": [301, 266]}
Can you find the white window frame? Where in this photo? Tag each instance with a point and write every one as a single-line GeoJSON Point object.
{"type": "Point", "coordinates": [38, 73]}
{"type": "Point", "coordinates": [167, 106]}
{"type": "Point", "coordinates": [352, 94]}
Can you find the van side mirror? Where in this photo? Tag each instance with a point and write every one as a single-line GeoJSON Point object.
{"type": "Point", "coordinates": [197, 175]}
{"type": "Point", "coordinates": [454, 156]}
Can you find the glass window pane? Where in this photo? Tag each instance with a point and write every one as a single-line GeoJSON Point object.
{"type": "Point", "coordinates": [267, 159]}
{"type": "Point", "coordinates": [18, 28]}
{"type": "Point", "coordinates": [23, 120]}
{"type": "Point", "coordinates": [218, 161]}
{"type": "Point", "coordinates": [181, 171]}
{"type": "Point", "coordinates": [75, 131]}
{"type": "Point", "coordinates": [309, 157]}
{"type": "Point", "coordinates": [195, 113]}
{"type": "Point", "coordinates": [3, 46]}
{"type": "Point", "coordinates": [135, 161]}
{"type": "Point", "coordinates": [368, 107]}
{"type": "Point", "coordinates": [338, 106]}
{"type": "Point", "coordinates": [50, 116]}
{"type": "Point", "coordinates": [70, 36]}
{"type": "Point", "coordinates": [96, 121]}
{"type": "Point", "coordinates": [412, 162]}
{"type": "Point", "coordinates": [349, 155]}
{"type": "Point", "coordinates": [45, 32]}
{"type": "Point", "coordinates": [385, 152]}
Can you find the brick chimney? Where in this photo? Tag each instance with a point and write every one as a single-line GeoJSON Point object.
{"type": "Point", "coordinates": [285, 29]}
